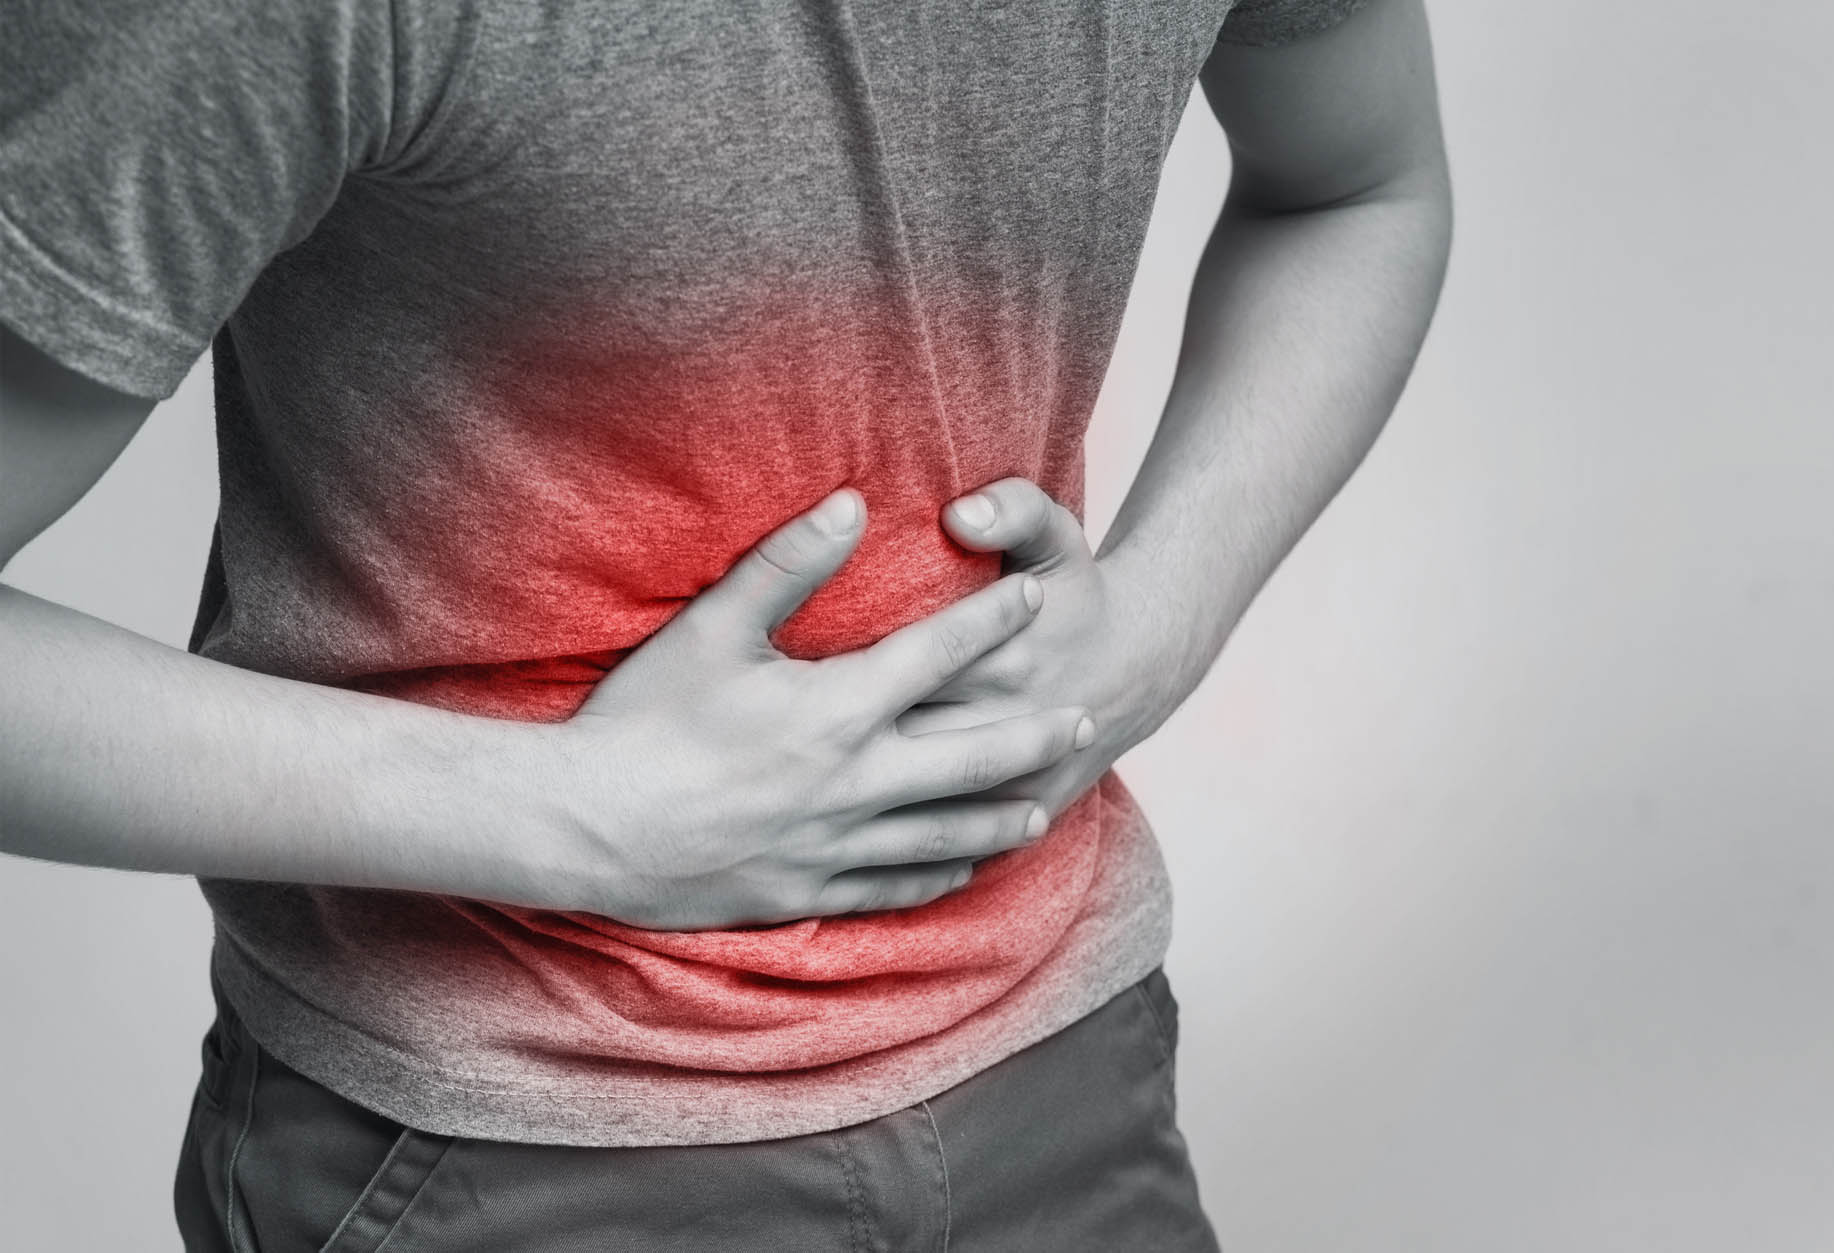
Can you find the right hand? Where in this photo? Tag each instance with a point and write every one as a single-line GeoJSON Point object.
{"type": "Point", "coordinates": [750, 787]}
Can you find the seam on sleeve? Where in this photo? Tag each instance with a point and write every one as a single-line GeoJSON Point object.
{"type": "Point", "coordinates": [417, 124]}
{"type": "Point", "coordinates": [1270, 23]}
{"type": "Point", "coordinates": [78, 324]}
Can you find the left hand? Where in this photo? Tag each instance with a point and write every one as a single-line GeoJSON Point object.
{"type": "Point", "coordinates": [1086, 646]}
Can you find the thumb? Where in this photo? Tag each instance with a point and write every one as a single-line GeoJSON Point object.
{"type": "Point", "coordinates": [1017, 516]}
{"type": "Point", "coordinates": [773, 579]}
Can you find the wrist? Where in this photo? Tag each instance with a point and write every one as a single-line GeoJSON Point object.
{"type": "Point", "coordinates": [479, 805]}
{"type": "Point", "coordinates": [1169, 642]}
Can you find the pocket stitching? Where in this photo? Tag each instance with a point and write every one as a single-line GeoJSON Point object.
{"type": "Point", "coordinates": [229, 1174]}
{"type": "Point", "coordinates": [1160, 1033]}
{"type": "Point", "coordinates": [391, 1171]}
{"type": "Point", "coordinates": [216, 1068]}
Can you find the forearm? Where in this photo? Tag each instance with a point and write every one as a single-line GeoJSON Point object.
{"type": "Point", "coordinates": [119, 751]}
{"type": "Point", "coordinates": [1300, 335]}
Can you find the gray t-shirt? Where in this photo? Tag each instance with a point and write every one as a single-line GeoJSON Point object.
{"type": "Point", "coordinates": [527, 321]}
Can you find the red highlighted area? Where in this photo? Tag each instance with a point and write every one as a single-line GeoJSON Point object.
{"type": "Point", "coordinates": [582, 496]}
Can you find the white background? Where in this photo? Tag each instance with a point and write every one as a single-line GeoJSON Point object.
{"type": "Point", "coordinates": [1503, 831]}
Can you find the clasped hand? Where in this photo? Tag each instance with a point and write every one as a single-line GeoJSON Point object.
{"type": "Point", "coordinates": [1084, 647]}
{"type": "Point", "coordinates": [710, 781]}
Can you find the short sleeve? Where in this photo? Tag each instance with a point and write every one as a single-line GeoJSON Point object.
{"type": "Point", "coordinates": [1268, 22]}
{"type": "Point", "coordinates": [154, 156]}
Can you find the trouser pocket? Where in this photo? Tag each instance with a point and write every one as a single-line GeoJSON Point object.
{"type": "Point", "coordinates": [384, 1201]}
{"type": "Point", "coordinates": [1156, 991]}
{"type": "Point", "coordinates": [312, 1170]}
{"type": "Point", "coordinates": [274, 1162]}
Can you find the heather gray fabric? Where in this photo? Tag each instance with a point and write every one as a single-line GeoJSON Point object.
{"type": "Point", "coordinates": [527, 320]}
{"type": "Point", "coordinates": [1069, 1145]}
{"type": "Point", "coordinates": [1271, 23]}
{"type": "Point", "coordinates": [158, 155]}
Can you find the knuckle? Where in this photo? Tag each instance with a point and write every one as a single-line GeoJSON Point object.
{"type": "Point", "coordinates": [954, 645]}
{"type": "Point", "coordinates": [790, 551]}
{"type": "Point", "coordinates": [826, 905]}
{"type": "Point", "coordinates": [792, 900]}
{"type": "Point", "coordinates": [816, 736]}
{"type": "Point", "coordinates": [1011, 665]}
{"type": "Point", "coordinates": [829, 897]}
{"type": "Point", "coordinates": [809, 863]}
{"type": "Point", "coordinates": [874, 895]}
{"type": "Point", "coordinates": [849, 786]}
{"type": "Point", "coordinates": [933, 841]}
{"type": "Point", "coordinates": [978, 769]}
{"type": "Point", "coordinates": [846, 722]}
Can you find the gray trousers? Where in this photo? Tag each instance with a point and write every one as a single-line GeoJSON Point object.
{"type": "Point", "coordinates": [1070, 1145]}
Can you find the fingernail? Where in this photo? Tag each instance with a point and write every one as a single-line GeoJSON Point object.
{"type": "Point", "coordinates": [976, 511]}
{"type": "Point", "coordinates": [1034, 592]}
{"type": "Point", "coordinates": [961, 877]}
{"type": "Point", "coordinates": [1085, 732]}
{"type": "Point", "coordinates": [1035, 825]}
{"type": "Point", "coordinates": [838, 513]}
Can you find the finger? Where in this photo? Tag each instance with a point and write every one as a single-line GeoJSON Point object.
{"type": "Point", "coordinates": [772, 580]}
{"type": "Point", "coordinates": [999, 676]}
{"type": "Point", "coordinates": [913, 661]}
{"type": "Point", "coordinates": [950, 763]}
{"type": "Point", "coordinates": [1034, 785]}
{"type": "Point", "coordinates": [1017, 516]}
{"type": "Point", "coordinates": [942, 831]}
{"type": "Point", "coordinates": [858, 891]}
{"type": "Point", "coordinates": [952, 715]}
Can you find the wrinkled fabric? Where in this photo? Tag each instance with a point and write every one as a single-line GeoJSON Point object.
{"type": "Point", "coordinates": [528, 320]}
{"type": "Point", "coordinates": [1071, 1144]}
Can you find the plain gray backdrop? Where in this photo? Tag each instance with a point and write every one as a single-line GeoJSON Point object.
{"type": "Point", "coordinates": [1503, 831]}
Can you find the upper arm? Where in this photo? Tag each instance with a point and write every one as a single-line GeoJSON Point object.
{"type": "Point", "coordinates": [59, 432]}
{"type": "Point", "coordinates": [1342, 113]}
{"type": "Point", "coordinates": [155, 157]}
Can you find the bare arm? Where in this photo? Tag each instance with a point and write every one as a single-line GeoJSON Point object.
{"type": "Point", "coordinates": [119, 751]}
{"type": "Point", "coordinates": [708, 780]}
{"type": "Point", "coordinates": [1307, 311]}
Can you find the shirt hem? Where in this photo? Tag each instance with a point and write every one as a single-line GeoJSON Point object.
{"type": "Point", "coordinates": [636, 1104]}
